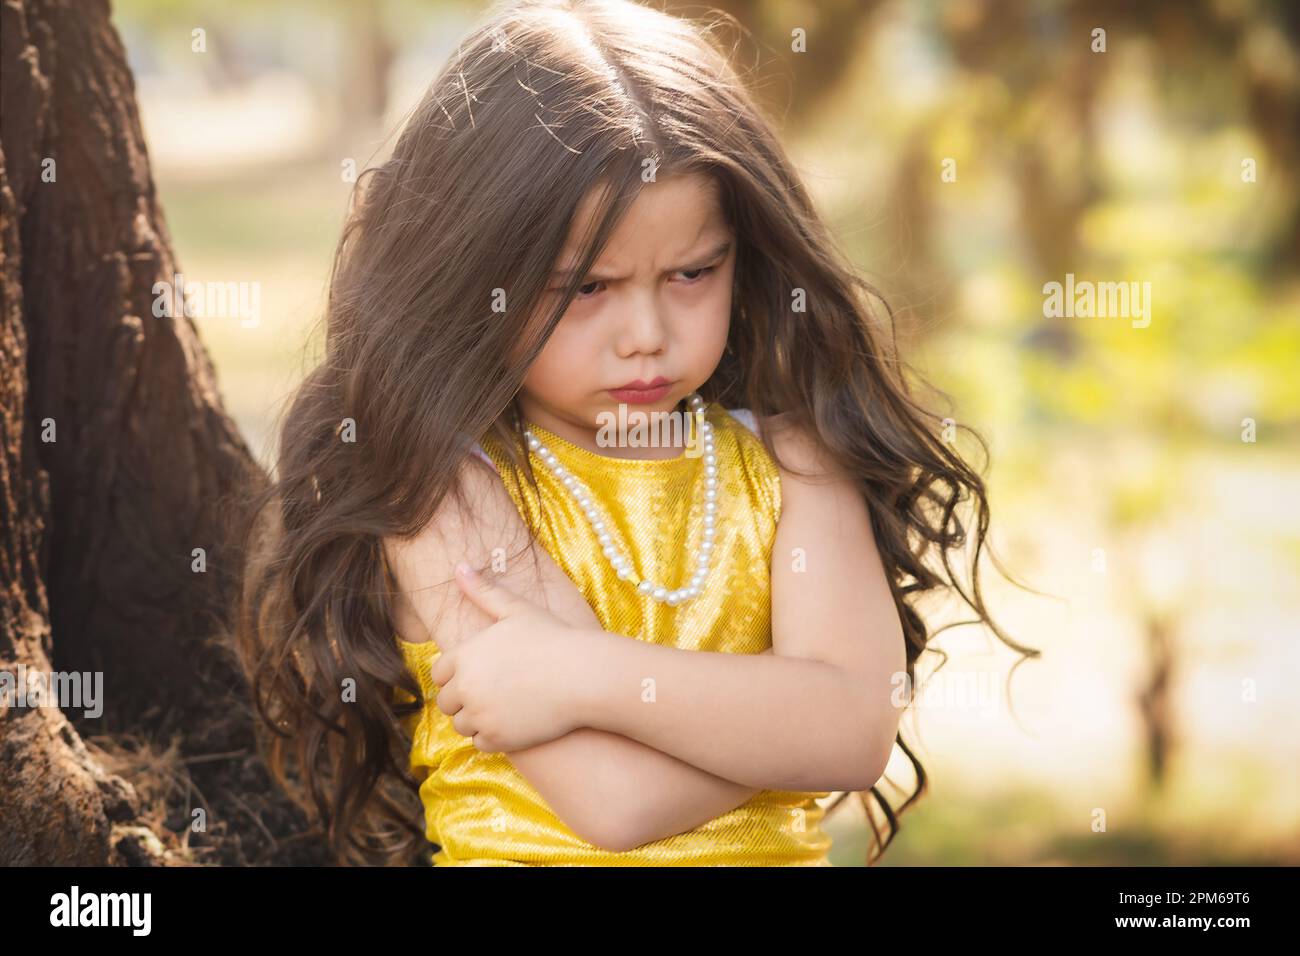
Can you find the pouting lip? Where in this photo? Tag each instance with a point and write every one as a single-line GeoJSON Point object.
{"type": "Point", "coordinates": [641, 386]}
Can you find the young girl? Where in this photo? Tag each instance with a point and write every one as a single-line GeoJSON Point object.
{"type": "Point", "coordinates": [587, 648]}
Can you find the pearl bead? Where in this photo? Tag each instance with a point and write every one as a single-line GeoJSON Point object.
{"type": "Point", "coordinates": [620, 562]}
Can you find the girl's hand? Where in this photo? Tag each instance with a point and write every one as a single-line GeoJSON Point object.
{"type": "Point", "coordinates": [510, 686]}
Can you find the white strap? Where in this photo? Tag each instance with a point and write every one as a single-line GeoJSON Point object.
{"type": "Point", "coordinates": [478, 450]}
{"type": "Point", "coordinates": [745, 417]}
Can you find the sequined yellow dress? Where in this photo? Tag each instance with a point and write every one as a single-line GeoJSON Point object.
{"type": "Point", "coordinates": [483, 812]}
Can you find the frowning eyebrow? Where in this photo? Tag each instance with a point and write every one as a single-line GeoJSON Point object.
{"type": "Point", "coordinates": [718, 252]}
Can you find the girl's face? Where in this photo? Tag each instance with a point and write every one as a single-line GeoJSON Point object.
{"type": "Point", "coordinates": [655, 306]}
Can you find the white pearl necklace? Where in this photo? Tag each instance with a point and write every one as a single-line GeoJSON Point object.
{"type": "Point", "coordinates": [621, 563]}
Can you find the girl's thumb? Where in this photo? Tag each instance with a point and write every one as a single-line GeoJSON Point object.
{"type": "Point", "coordinates": [494, 599]}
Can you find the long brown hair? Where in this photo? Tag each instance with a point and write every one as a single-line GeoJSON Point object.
{"type": "Point", "coordinates": [543, 102]}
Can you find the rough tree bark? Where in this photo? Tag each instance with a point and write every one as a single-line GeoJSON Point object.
{"type": "Point", "coordinates": [118, 461]}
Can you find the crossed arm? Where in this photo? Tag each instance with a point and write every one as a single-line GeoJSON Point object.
{"type": "Point", "coordinates": [814, 714]}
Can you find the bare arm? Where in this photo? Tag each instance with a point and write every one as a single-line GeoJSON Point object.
{"type": "Point", "coordinates": [612, 791]}
{"type": "Point", "coordinates": [817, 715]}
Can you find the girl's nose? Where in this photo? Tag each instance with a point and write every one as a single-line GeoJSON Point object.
{"type": "Point", "coordinates": [641, 327]}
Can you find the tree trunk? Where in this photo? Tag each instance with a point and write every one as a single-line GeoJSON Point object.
{"type": "Point", "coordinates": [118, 463]}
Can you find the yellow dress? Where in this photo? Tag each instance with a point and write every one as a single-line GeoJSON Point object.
{"type": "Point", "coordinates": [478, 808]}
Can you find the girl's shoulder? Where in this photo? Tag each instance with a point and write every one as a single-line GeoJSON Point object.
{"type": "Point", "coordinates": [742, 415]}
{"type": "Point", "coordinates": [798, 452]}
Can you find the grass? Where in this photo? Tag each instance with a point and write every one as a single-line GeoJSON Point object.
{"type": "Point", "coordinates": [1033, 828]}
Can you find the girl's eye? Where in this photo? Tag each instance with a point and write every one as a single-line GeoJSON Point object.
{"type": "Point", "coordinates": [692, 276]}
{"type": "Point", "coordinates": [699, 274]}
